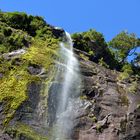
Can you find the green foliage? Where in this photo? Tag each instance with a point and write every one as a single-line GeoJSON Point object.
{"type": "Point", "coordinates": [84, 57]}
{"type": "Point", "coordinates": [99, 128]}
{"type": "Point", "coordinates": [94, 119]}
{"type": "Point", "coordinates": [15, 31]}
{"type": "Point", "coordinates": [44, 33]}
{"type": "Point", "coordinates": [16, 20]}
{"type": "Point", "coordinates": [35, 23]}
{"type": "Point", "coordinates": [127, 71]}
{"type": "Point", "coordinates": [42, 53]}
{"type": "Point", "coordinates": [13, 89]}
{"type": "Point", "coordinates": [123, 43]}
{"type": "Point", "coordinates": [102, 63]}
{"type": "Point", "coordinates": [11, 39]}
{"type": "Point", "coordinates": [133, 87]}
{"type": "Point", "coordinates": [16, 77]}
{"type": "Point", "coordinates": [95, 36]}
{"type": "Point", "coordinates": [82, 40]}
{"type": "Point", "coordinates": [83, 97]}
{"type": "Point", "coordinates": [94, 44]}
{"type": "Point", "coordinates": [35, 26]}
{"type": "Point", "coordinates": [124, 100]}
{"type": "Point", "coordinates": [20, 20]}
{"type": "Point", "coordinates": [25, 131]}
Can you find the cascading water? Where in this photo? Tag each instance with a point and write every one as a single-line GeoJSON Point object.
{"type": "Point", "coordinates": [65, 95]}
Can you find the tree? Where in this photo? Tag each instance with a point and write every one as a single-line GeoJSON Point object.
{"type": "Point", "coordinates": [90, 41]}
{"type": "Point", "coordinates": [136, 61]}
{"type": "Point", "coordinates": [122, 44]}
{"type": "Point", "coordinates": [94, 44]}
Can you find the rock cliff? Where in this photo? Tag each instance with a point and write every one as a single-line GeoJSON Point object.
{"type": "Point", "coordinates": [110, 107]}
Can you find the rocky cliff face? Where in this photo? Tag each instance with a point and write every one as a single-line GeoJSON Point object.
{"type": "Point", "coordinates": [108, 108]}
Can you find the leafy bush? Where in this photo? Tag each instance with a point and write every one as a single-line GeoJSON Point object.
{"type": "Point", "coordinates": [123, 43]}
{"type": "Point", "coordinates": [127, 71]}
{"type": "Point", "coordinates": [20, 20]}
{"type": "Point", "coordinates": [89, 41]}
{"type": "Point", "coordinates": [94, 44]}
{"type": "Point", "coordinates": [11, 39]}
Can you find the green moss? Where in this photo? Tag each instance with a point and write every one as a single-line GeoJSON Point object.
{"type": "Point", "coordinates": [123, 96]}
{"type": "Point", "coordinates": [14, 83]}
{"type": "Point", "coordinates": [11, 39]}
{"type": "Point", "coordinates": [122, 76]}
{"type": "Point", "coordinates": [83, 97]}
{"type": "Point", "coordinates": [124, 100]}
{"type": "Point", "coordinates": [126, 72]}
{"type": "Point", "coordinates": [123, 125]}
{"type": "Point", "coordinates": [98, 128]}
{"type": "Point", "coordinates": [84, 57]}
{"type": "Point", "coordinates": [13, 90]}
{"type": "Point", "coordinates": [94, 119]}
{"type": "Point", "coordinates": [133, 87]}
{"type": "Point", "coordinates": [103, 63]}
{"type": "Point", "coordinates": [23, 130]}
{"type": "Point", "coordinates": [42, 53]}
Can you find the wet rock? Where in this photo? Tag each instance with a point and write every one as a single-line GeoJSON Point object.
{"type": "Point", "coordinates": [26, 113]}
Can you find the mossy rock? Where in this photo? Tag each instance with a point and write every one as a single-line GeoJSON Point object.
{"type": "Point", "coordinates": [24, 131]}
{"type": "Point", "coordinates": [16, 77]}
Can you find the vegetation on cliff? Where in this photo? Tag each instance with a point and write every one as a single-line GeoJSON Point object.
{"type": "Point", "coordinates": [40, 43]}
{"type": "Point", "coordinates": [112, 54]}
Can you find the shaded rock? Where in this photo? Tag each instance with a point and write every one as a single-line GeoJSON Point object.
{"type": "Point", "coordinates": [1, 75]}
{"type": "Point", "coordinates": [5, 136]}
{"type": "Point", "coordinates": [34, 69]}
{"type": "Point", "coordinates": [26, 113]}
{"type": "Point", "coordinates": [58, 32]}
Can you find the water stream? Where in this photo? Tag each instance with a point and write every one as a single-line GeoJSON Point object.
{"type": "Point", "coordinates": [66, 90]}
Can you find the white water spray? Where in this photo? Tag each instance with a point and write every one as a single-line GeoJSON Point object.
{"type": "Point", "coordinates": [69, 77]}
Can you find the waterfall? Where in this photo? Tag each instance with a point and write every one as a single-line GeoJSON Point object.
{"type": "Point", "coordinates": [65, 92]}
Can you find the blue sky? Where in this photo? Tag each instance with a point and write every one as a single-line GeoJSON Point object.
{"type": "Point", "coordinates": [107, 16]}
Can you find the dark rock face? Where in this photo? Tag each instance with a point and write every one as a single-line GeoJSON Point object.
{"type": "Point", "coordinates": [57, 32]}
{"type": "Point", "coordinates": [1, 75]}
{"type": "Point", "coordinates": [34, 69]}
{"type": "Point", "coordinates": [113, 112]}
{"type": "Point", "coordinates": [26, 112]}
{"type": "Point", "coordinates": [4, 137]}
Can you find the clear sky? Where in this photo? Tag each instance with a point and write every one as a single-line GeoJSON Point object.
{"type": "Point", "coordinates": [107, 16]}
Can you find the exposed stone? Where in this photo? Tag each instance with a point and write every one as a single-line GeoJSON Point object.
{"type": "Point", "coordinates": [34, 69]}
{"type": "Point", "coordinates": [12, 54]}
{"type": "Point", "coordinates": [110, 97]}
{"type": "Point", "coordinates": [1, 75]}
